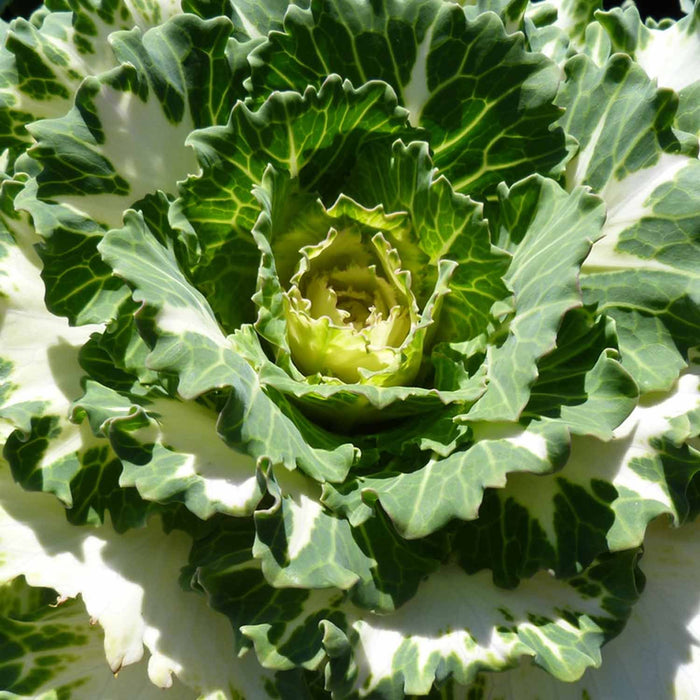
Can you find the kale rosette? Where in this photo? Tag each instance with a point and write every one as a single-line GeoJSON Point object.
{"type": "Point", "coordinates": [348, 349]}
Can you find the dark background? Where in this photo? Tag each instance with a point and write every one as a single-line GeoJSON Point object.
{"type": "Point", "coordinates": [648, 8]}
{"type": "Point", "coordinates": [657, 9]}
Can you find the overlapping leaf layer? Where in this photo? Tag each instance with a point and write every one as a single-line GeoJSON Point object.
{"type": "Point", "coordinates": [516, 182]}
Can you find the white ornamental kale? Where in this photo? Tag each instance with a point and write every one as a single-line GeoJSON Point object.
{"type": "Point", "coordinates": [349, 349]}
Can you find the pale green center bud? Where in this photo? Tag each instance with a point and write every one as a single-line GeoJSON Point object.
{"type": "Point", "coordinates": [350, 310]}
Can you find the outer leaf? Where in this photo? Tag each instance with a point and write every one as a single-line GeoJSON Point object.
{"type": "Point", "coordinates": [40, 373]}
{"type": "Point", "coordinates": [80, 285]}
{"type": "Point", "coordinates": [95, 166]}
{"type": "Point", "coordinates": [454, 624]}
{"type": "Point", "coordinates": [484, 101]}
{"type": "Point", "coordinates": [574, 17]}
{"type": "Point", "coordinates": [424, 499]}
{"type": "Point", "coordinates": [170, 450]}
{"type": "Point", "coordinates": [550, 233]}
{"type": "Point", "coordinates": [43, 61]}
{"type": "Point", "coordinates": [599, 102]}
{"type": "Point", "coordinates": [510, 11]}
{"type": "Point", "coordinates": [41, 376]}
{"type": "Point", "coordinates": [669, 54]}
{"type": "Point", "coordinates": [380, 569]}
{"type": "Point", "coordinates": [581, 382]}
{"type": "Point", "coordinates": [656, 654]}
{"type": "Point", "coordinates": [252, 19]}
{"type": "Point", "coordinates": [57, 651]}
{"type": "Point", "coordinates": [603, 498]}
{"type": "Point", "coordinates": [129, 584]}
{"type": "Point", "coordinates": [646, 264]}
{"type": "Point", "coordinates": [90, 158]}
{"type": "Point", "coordinates": [20, 600]}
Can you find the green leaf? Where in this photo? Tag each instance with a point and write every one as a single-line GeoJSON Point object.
{"type": "Point", "coordinates": [656, 654]}
{"type": "Point", "coordinates": [38, 360]}
{"type": "Point", "coordinates": [447, 226]}
{"type": "Point", "coordinates": [550, 233]}
{"type": "Point", "coordinates": [41, 376]}
{"type": "Point", "coordinates": [129, 584]}
{"type": "Point", "coordinates": [651, 249]}
{"type": "Point", "coordinates": [314, 136]}
{"type": "Point", "coordinates": [456, 623]}
{"type": "Point", "coordinates": [57, 651]}
{"type": "Point", "coordinates": [485, 102]}
{"type": "Point", "coordinates": [648, 351]}
{"type": "Point", "coordinates": [99, 158]}
{"type": "Point", "coordinates": [510, 11]}
{"type": "Point", "coordinates": [116, 358]}
{"type": "Point", "coordinates": [192, 346]}
{"type": "Point", "coordinates": [426, 496]}
{"type": "Point", "coordinates": [252, 19]}
{"type": "Point", "coordinates": [79, 285]}
{"type": "Point", "coordinates": [20, 601]}
{"type": "Point", "coordinates": [43, 61]}
{"type": "Point", "coordinates": [187, 67]}
{"type": "Point", "coordinates": [170, 451]}
{"type": "Point", "coordinates": [301, 544]}
{"type": "Point", "coordinates": [669, 54]}
{"type": "Point", "coordinates": [347, 406]}
{"type": "Point", "coordinates": [581, 382]}
{"type": "Point", "coordinates": [620, 119]}
{"type": "Point", "coordinates": [602, 499]}
{"type": "Point", "coordinates": [575, 16]}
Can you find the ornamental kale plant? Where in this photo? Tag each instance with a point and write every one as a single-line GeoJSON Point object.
{"type": "Point", "coordinates": [349, 349]}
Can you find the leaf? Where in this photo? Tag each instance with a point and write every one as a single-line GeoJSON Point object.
{"type": "Point", "coordinates": [58, 650]}
{"type": "Point", "coordinates": [426, 496]}
{"type": "Point", "coordinates": [41, 376]}
{"type": "Point", "coordinates": [484, 101]}
{"type": "Point", "coordinates": [380, 569]}
{"type": "Point", "coordinates": [170, 451]}
{"type": "Point", "coordinates": [313, 136]}
{"type": "Point", "coordinates": [39, 369]}
{"type": "Point", "coordinates": [581, 382]}
{"type": "Point", "coordinates": [550, 233]}
{"type": "Point", "coordinates": [446, 225]}
{"type": "Point", "coordinates": [456, 623]}
{"type": "Point", "coordinates": [291, 219]}
{"type": "Point", "coordinates": [668, 54]}
{"type": "Point", "coordinates": [129, 584]}
{"type": "Point", "coordinates": [510, 11]}
{"type": "Point", "coordinates": [79, 285]}
{"type": "Point", "coordinates": [97, 160]}
{"type": "Point", "coordinates": [602, 499]}
{"type": "Point", "coordinates": [656, 653]}
{"type": "Point", "coordinates": [575, 16]}
{"type": "Point", "coordinates": [648, 350]}
{"type": "Point", "coordinates": [651, 250]}
{"type": "Point", "coordinates": [192, 346]}
{"type": "Point", "coordinates": [618, 116]}
{"type": "Point", "coordinates": [43, 61]}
